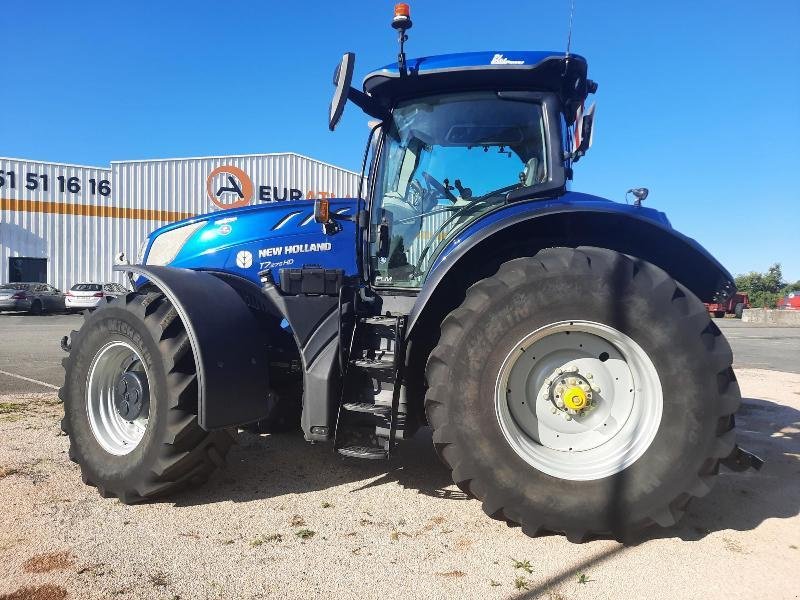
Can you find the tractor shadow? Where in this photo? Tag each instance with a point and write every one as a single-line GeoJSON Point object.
{"type": "Point", "coordinates": [742, 501]}
{"type": "Point", "coordinates": [269, 466]}
{"type": "Point", "coordinates": [274, 465]}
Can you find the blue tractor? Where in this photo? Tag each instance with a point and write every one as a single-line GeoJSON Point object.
{"type": "Point", "coordinates": [555, 342]}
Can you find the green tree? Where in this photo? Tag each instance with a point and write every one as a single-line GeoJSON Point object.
{"type": "Point", "coordinates": [764, 289]}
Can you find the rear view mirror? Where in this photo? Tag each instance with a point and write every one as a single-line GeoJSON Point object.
{"type": "Point", "coordinates": [342, 78]}
{"type": "Point", "coordinates": [584, 132]}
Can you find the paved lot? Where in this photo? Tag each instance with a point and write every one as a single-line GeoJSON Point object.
{"type": "Point", "coordinates": [29, 347]}
{"type": "Point", "coordinates": [397, 530]}
{"type": "Point", "coordinates": [763, 346]}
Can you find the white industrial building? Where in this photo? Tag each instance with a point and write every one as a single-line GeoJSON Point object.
{"type": "Point", "coordinates": [63, 224]}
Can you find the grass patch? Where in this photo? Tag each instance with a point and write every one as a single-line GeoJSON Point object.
{"type": "Point", "coordinates": [263, 539]}
{"type": "Point", "coordinates": [583, 578]}
{"type": "Point", "coordinates": [327, 505]}
{"type": "Point", "coordinates": [520, 583]}
{"type": "Point", "coordinates": [525, 565]}
{"type": "Point", "coordinates": [305, 534]}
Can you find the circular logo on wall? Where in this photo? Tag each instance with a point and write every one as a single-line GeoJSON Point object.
{"type": "Point", "coordinates": [244, 259]}
{"type": "Point", "coordinates": [229, 187]}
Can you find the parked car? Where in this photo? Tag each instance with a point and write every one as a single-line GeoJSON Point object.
{"type": "Point", "coordinates": [790, 301]}
{"type": "Point", "coordinates": [83, 296]}
{"type": "Point", "coordinates": [35, 298]}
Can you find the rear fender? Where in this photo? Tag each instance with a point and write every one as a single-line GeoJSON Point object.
{"type": "Point", "coordinates": [232, 365]}
{"type": "Point", "coordinates": [521, 231]}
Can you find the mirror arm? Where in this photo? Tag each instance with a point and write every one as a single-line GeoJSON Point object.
{"type": "Point", "coordinates": [368, 104]}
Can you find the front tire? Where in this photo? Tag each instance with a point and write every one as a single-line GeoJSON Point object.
{"type": "Point", "coordinates": [151, 444]}
{"type": "Point", "coordinates": [491, 421]}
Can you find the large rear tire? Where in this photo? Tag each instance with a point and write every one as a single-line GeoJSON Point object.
{"type": "Point", "coordinates": [573, 321]}
{"type": "Point", "coordinates": [139, 438]}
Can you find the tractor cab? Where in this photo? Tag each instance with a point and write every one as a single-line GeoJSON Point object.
{"type": "Point", "coordinates": [458, 136]}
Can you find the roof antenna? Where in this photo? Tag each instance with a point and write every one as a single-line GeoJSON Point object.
{"type": "Point", "coordinates": [569, 33]}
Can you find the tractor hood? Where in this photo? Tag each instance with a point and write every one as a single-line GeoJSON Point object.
{"type": "Point", "coordinates": [245, 241]}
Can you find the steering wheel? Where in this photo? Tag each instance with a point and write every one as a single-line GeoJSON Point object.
{"type": "Point", "coordinates": [435, 186]}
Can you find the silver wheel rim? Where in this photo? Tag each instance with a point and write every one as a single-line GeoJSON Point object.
{"type": "Point", "coordinates": [603, 428]}
{"type": "Point", "coordinates": [115, 434]}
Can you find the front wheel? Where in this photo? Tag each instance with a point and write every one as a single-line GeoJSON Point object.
{"type": "Point", "coordinates": [130, 402]}
{"type": "Point", "coordinates": [582, 391]}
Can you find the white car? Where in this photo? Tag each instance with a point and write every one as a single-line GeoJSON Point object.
{"type": "Point", "coordinates": [83, 296]}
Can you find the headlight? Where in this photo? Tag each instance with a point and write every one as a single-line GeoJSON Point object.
{"type": "Point", "coordinates": [167, 245]}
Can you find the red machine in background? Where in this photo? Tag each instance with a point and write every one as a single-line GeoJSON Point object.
{"type": "Point", "coordinates": [790, 301]}
{"type": "Point", "coordinates": [733, 306]}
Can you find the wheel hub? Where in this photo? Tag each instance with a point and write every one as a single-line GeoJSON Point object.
{"type": "Point", "coordinates": [570, 391]}
{"type": "Point", "coordinates": [131, 393]}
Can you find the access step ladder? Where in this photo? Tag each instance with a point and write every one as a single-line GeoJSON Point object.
{"type": "Point", "coordinates": [371, 416]}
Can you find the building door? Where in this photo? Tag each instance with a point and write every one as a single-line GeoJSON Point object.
{"type": "Point", "coordinates": [23, 268]}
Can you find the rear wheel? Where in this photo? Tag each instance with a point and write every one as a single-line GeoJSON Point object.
{"type": "Point", "coordinates": [130, 402]}
{"type": "Point", "coordinates": [582, 391]}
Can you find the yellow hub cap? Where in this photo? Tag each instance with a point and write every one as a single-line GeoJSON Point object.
{"type": "Point", "coordinates": [575, 398]}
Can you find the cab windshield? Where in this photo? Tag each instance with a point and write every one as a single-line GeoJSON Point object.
{"type": "Point", "coordinates": [446, 160]}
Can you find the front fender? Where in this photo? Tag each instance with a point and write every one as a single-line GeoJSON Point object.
{"type": "Point", "coordinates": [232, 366]}
{"type": "Point", "coordinates": [573, 220]}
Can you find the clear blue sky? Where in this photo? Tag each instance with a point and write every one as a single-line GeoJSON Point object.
{"type": "Point", "coordinates": [698, 100]}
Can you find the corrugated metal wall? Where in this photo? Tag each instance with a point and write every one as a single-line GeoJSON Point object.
{"type": "Point", "coordinates": [80, 230]}
{"type": "Point", "coordinates": [181, 184]}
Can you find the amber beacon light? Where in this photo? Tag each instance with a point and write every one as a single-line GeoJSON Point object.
{"type": "Point", "coordinates": [402, 16]}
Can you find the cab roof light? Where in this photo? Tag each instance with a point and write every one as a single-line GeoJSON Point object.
{"type": "Point", "coordinates": [402, 13]}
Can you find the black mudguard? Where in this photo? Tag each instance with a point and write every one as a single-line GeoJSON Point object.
{"type": "Point", "coordinates": [314, 321]}
{"type": "Point", "coordinates": [232, 365]}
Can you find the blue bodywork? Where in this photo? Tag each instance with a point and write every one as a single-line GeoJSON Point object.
{"type": "Point", "coordinates": [246, 241]}
{"type": "Point", "coordinates": [285, 235]}
{"type": "Point", "coordinates": [276, 235]}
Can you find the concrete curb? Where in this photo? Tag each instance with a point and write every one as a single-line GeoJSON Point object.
{"type": "Point", "coordinates": [787, 318]}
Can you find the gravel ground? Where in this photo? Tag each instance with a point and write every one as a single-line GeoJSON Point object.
{"type": "Point", "coordinates": [405, 534]}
